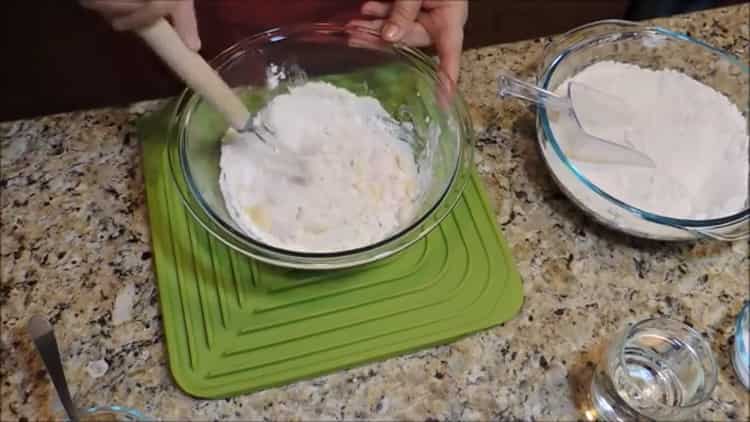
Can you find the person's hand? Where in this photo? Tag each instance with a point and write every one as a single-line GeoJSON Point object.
{"type": "Point", "coordinates": [126, 15]}
{"type": "Point", "coordinates": [420, 23]}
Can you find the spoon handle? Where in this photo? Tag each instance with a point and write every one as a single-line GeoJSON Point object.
{"type": "Point", "coordinates": [195, 72]}
{"type": "Point", "coordinates": [514, 87]}
{"type": "Point", "coordinates": [46, 344]}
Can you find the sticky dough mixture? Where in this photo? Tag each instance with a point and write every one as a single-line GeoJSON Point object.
{"type": "Point", "coordinates": [360, 184]}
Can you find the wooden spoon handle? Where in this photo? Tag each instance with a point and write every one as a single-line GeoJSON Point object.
{"type": "Point", "coordinates": [195, 71]}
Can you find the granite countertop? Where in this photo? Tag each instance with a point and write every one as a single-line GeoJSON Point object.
{"type": "Point", "coordinates": [75, 246]}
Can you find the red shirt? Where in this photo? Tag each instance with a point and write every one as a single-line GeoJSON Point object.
{"type": "Point", "coordinates": [67, 58]}
{"type": "Point", "coordinates": [223, 22]}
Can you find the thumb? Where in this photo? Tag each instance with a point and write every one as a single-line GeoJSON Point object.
{"type": "Point", "coordinates": [186, 24]}
{"type": "Point", "coordinates": [402, 17]}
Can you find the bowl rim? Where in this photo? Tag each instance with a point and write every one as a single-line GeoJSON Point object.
{"type": "Point", "coordinates": [130, 412]}
{"type": "Point", "coordinates": [421, 62]}
{"type": "Point", "coordinates": [740, 355]}
{"type": "Point", "coordinates": [629, 27]}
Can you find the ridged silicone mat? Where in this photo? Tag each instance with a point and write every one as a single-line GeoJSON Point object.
{"type": "Point", "coordinates": [234, 325]}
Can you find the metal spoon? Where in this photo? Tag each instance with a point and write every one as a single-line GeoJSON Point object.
{"type": "Point", "coordinates": [203, 79]}
{"type": "Point", "coordinates": [591, 148]}
{"type": "Point", "coordinates": [44, 338]}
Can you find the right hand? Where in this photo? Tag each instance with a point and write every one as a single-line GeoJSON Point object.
{"type": "Point", "coordinates": [420, 23]}
{"type": "Point", "coordinates": [129, 15]}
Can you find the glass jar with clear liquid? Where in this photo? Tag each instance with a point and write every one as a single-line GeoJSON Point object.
{"type": "Point", "coordinates": [741, 350]}
{"type": "Point", "coordinates": [658, 369]}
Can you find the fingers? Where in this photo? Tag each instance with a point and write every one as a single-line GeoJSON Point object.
{"type": "Point", "coordinates": [420, 23]}
{"type": "Point", "coordinates": [111, 9]}
{"type": "Point", "coordinates": [146, 14]}
{"type": "Point", "coordinates": [448, 46]}
{"type": "Point", "coordinates": [416, 35]}
{"type": "Point", "coordinates": [446, 91]}
{"type": "Point", "coordinates": [186, 24]}
{"type": "Point", "coordinates": [402, 17]}
{"type": "Point", "coordinates": [448, 40]}
{"type": "Point", "coordinates": [376, 9]}
{"type": "Point", "coordinates": [373, 25]}
{"type": "Point", "coordinates": [446, 27]}
{"type": "Point", "coordinates": [361, 34]}
{"type": "Point", "coordinates": [126, 15]}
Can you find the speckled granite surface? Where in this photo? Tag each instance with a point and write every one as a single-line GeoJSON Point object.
{"type": "Point", "coordinates": [75, 247]}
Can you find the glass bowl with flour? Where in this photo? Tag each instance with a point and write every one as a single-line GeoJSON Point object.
{"type": "Point", "coordinates": [365, 149]}
{"type": "Point", "coordinates": [690, 115]}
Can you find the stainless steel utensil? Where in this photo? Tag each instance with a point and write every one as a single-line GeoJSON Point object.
{"type": "Point", "coordinates": [43, 336]}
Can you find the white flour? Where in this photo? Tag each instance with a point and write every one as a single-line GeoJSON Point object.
{"type": "Point", "coordinates": [696, 136]}
{"type": "Point", "coordinates": [361, 185]}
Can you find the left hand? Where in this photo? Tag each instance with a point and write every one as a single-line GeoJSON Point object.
{"type": "Point", "coordinates": [420, 23]}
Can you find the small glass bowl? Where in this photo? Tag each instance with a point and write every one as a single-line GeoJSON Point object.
{"type": "Point", "coordinates": [741, 350]}
{"type": "Point", "coordinates": [111, 414]}
{"type": "Point", "coordinates": [653, 48]}
{"type": "Point", "coordinates": [413, 90]}
{"type": "Point", "coordinates": [658, 369]}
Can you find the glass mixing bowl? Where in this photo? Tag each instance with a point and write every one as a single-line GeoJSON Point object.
{"type": "Point", "coordinates": [653, 48]}
{"type": "Point", "coordinates": [405, 81]}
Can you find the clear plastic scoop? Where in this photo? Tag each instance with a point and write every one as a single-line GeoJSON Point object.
{"type": "Point", "coordinates": [587, 147]}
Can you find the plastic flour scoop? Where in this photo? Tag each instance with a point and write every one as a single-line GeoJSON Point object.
{"type": "Point", "coordinates": [587, 147]}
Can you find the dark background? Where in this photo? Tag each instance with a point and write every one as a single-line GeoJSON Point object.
{"type": "Point", "coordinates": [58, 57]}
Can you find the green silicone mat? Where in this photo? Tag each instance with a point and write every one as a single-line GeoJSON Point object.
{"type": "Point", "coordinates": [234, 325]}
